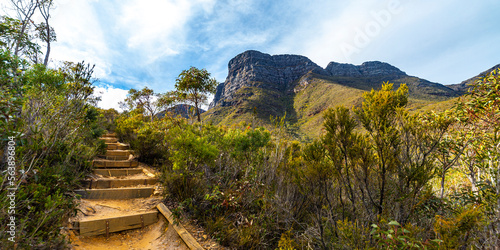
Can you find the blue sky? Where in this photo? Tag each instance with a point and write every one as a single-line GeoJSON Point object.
{"type": "Point", "coordinates": [137, 43]}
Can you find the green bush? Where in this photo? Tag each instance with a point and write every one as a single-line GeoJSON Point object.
{"type": "Point", "coordinates": [55, 142]}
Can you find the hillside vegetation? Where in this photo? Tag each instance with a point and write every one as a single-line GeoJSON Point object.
{"type": "Point", "coordinates": [303, 104]}
{"type": "Point", "coordinates": [298, 157]}
{"type": "Point", "coordinates": [378, 176]}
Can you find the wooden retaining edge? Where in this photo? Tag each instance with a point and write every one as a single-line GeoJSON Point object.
{"type": "Point", "coordinates": [183, 233]}
{"type": "Point", "coordinates": [115, 193]}
{"type": "Point", "coordinates": [118, 171]}
{"type": "Point", "coordinates": [91, 227]}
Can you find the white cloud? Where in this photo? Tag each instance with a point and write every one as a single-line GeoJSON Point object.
{"type": "Point", "coordinates": [157, 29]}
{"type": "Point", "coordinates": [136, 43]}
{"type": "Point", "coordinates": [110, 96]}
{"type": "Point", "coordinates": [322, 41]}
{"type": "Point", "coordinates": [80, 36]}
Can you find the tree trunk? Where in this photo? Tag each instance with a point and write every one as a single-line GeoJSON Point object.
{"type": "Point", "coordinates": [197, 110]}
{"type": "Point", "coordinates": [46, 61]}
{"type": "Point", "coordinates": [443, 176]}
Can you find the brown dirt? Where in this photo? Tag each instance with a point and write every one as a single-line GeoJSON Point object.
{"type": "Point", "coordinates": [156, 236]}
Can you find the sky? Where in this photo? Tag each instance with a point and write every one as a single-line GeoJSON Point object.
{"type": "Point", "coordinates": [139, 43]}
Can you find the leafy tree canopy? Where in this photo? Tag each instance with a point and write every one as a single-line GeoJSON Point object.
{"type": "Point", "coordinates": [193, 85]}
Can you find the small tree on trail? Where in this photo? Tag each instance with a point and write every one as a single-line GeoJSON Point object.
{"type": "Point", "coordinates": [147, 101]}
{"type": "Point", "coordinates": [193, 85]}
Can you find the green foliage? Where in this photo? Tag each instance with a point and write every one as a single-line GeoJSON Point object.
{"type": "Point", "coordinates": [286, 242]}
{"type": "Point", "coordinates": [193, 85]}
{"type": "Point", "coordinates": [55, 130]}
{"type": "Point", "coordinates": [253, 188]}
{"type": "Point", "coordinates": [147, 102]}
{"type": "Point", "coordinates": [379, 107]}
{"type": "Point", "coordinates": [307, 98]}
{"type": "Point", "coordinates": [394, 236]}
{"type": "Point", "coordinates": [108, 119]}
{"type": "Point", "coordinates": [479, 114]}
{"type": "Point", "coordinates": [191, 151]}
{"type": "Point", "coordinates": [458, 231]}
{"type": "Point", "coordinates": [12, 35]}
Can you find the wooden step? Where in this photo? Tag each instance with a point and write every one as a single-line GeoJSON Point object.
{"type": "Point", "coordinates": [117, 146]}
{"type": "Point", "coordinates": [116, 155]}
{"type": "Point", "coordinates": [109, 139]}
{"type": "Point", "coordinates": [117, 152]}
{"type": "Point", "coordinates": [116, 183]}
{"type": "Point", "coordinates": [115, 193]}
{"type": "Point", "coordinates": [118, 172]}
{"type": "Point", "coordinates": [115, 164]}
{"type": "Point", "coordinates": [115, 158]}
{"type": "Point", "coordinates": [91, 227]}
{"type": "Point", "coordinates": [110, 135]}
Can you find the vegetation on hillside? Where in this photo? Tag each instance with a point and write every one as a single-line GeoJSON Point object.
{"type": "Point", "coordinates": [306, 99]}
{"type": "Point", "coordinates": [49, 127]}
{"type": "Point", "coordinates": [379, 176]}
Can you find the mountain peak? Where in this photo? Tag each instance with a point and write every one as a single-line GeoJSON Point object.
{"type": "Point", "coordinates": [371, 68]}
{"type": "Point", "coordinates": [256, 69]}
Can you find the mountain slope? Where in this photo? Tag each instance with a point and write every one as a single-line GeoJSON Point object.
{"type": "Point", "coordinates": [464, 86]}
{"type": "Point", "coordinates": [259, 85]}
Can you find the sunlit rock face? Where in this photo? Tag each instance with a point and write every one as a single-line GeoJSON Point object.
{"type": "Point", "coordinates": [278, 72]}
{"type": "Point", "coordinates": [255, 69]}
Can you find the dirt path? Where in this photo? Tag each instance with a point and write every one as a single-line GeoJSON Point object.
{"type": "Point", "coordinates": [155, 236]}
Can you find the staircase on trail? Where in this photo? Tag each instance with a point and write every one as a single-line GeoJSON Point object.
{"type": "Point", "coordinates": [116, 176]}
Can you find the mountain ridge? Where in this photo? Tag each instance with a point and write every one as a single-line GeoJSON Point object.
{"type": "Point", "coordinates": [465, 85]}
{"type": "Point", "coordinates": [260, 85]}
{"type": "Point", "coordinates": [277, 72]}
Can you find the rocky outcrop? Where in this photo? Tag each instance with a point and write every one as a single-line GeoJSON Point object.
{"type": "Point", "coordinates": [367, 69]}
{"type": "Point", "coordinates": [255, 69]}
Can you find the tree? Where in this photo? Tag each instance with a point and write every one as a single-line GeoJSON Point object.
{"type": "Point", "coordinates": [405, 146]}
{"type": "Point", "coordinates": [193, 85]}
{"type": "Point", "coordinates": [147, 101]}
{"type": "Point", "coordinates": [45, 32]}
{"type": "Point", "coordinates": [25, 10]}
{"type": "Point", "coordinates": [480, 113]}
{"type": "Point", "coordinates": [377, 117]}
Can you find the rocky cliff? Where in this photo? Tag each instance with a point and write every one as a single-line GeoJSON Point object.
{"type": "Point", "coordinates": [278, 72]}
{"type": "Point", "coordinates": [255, 69]}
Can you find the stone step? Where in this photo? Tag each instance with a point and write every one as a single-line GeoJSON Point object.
{"type": "Point", "coordinates": [117, 146]}
{"type": "Point", "coordinates": [115, 164]}
{"type": "Point", "coordinates": [118, 172]}
{"type": "Point", "coordinates": [115, 193]}
{"type": "Point", "coordinates": [116, 183]}
{"type": "Point", "coordinates": [109, 139]}
{"type": "Point", "coordinates": [106, 225]}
